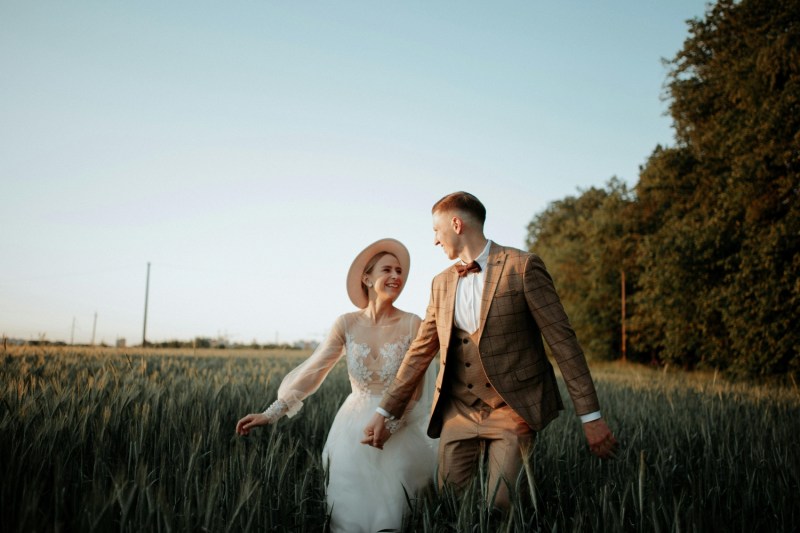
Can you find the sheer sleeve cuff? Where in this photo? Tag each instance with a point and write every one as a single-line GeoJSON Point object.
{"type": "Point", "coordinates": [276, 410]}
{"type": "Point", "coordinates": [294, 409]}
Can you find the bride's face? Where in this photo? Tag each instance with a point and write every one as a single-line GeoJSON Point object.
{"type": "Point", "coordinates": [386, 278]}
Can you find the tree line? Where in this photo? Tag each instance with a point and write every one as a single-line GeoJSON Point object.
{"type": "Point", "coordinates": [708, 240]}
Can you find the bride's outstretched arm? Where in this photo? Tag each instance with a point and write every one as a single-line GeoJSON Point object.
{"type": "Point", "coordinates": [301, 382]}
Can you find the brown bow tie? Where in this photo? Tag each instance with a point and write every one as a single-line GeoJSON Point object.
{"type": "Point", "coordinates": [469, 268]}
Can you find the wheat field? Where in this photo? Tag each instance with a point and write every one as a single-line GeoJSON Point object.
{"type": "Point", "coordinates": [143, 440]}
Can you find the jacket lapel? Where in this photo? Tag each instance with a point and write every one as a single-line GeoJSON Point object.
{"type": "Point", "coordinates": [494, 267]}
{"type": "Point", "coordinates": [450, 307]}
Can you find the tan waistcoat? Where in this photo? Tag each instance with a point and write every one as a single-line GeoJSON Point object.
{"type": "Point", "coordinates": [468, 379]}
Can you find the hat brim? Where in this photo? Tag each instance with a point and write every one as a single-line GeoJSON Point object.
{"type": "Point", "coordinates": [394, 247]}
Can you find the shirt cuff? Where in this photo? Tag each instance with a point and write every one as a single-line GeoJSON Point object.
{"type": "Point", "coordinates": [591, 417]}
{"type": "Point", "coordinates": [384, 413]}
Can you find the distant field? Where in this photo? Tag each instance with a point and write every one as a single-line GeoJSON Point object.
{"type": "Point", "coordinates": [106, 351]}
{"type": "Point", "coordinates": [132, 440]}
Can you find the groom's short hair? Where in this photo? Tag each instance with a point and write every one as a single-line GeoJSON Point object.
{"type": "Point", "coordinates": [465, 203]}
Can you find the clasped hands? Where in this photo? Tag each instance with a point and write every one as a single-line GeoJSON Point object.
{"type": "Point", "coordinates": [376, 433]}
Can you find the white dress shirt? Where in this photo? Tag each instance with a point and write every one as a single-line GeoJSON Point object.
{"type": "Point", "coordinates": [468, 295]}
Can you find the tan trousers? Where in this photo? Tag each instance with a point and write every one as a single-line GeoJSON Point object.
{"type": "Point", "coordinates": [470, 430]}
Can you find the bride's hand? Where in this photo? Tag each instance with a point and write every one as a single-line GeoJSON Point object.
{"type": "Point", "coordinates": [250, 421]}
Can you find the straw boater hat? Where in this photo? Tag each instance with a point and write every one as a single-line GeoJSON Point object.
{"type": "Point", "coordinates": [394, 247]}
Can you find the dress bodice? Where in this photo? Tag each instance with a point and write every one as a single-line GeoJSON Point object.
{"type": "Point", "coordinates": [374, 352]}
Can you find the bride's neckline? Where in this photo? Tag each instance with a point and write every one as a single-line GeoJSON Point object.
{"type": "Point", "coordinates": [392, 320]}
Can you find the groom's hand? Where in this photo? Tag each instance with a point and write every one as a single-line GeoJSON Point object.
{"type": "Point", "coordinates": [602, 442]}
{"type": "Point", "coordinates": [375, 432]}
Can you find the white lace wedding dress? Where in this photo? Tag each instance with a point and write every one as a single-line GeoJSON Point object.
{"type": "Point", "coordinates": [367, 488]}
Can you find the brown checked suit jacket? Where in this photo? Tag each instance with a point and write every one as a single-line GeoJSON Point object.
{"type": "Point", "coordinates": [519, 306]}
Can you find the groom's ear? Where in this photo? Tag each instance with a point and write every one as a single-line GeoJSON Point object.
{"type": "Point", "coordinates": [458, 224]}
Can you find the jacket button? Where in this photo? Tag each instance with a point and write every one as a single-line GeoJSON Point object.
{"type": "Point", "coordinates": [467, 365]}
{"type": "Point", "coordinates": [466, 341]}
{"type": "Point", "coordinates": [488, 385]}
{"type": "Point", "coordinates": [469, 386]}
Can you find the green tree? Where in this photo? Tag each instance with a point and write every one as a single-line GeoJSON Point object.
{"type": "Point", "coordinates": [581, 241]}
{"type": "Point", "coordinates": [710, 242]}
{"type": "Point", "coordinates": [720, 250]}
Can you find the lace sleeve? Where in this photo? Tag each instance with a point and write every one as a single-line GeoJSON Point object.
{"type": "Point", "coordinates": [304, 380]}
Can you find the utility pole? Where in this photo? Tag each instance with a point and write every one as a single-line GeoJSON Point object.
{"type": "Point", "coordinates": [94, 327]}
{"type": "Point", "coordinates": [72, 335]}
{"type": "Point", "coordinates": [624, 350]}
{"type": "Point", "coordinates": [146, 297]}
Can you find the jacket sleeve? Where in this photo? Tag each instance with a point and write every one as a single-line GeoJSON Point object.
{"type": "Point", "coordinates": [416, 361]}
{"type": "Point", "coordinates": [549, 314]}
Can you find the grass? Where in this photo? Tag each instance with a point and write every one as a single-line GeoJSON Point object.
{"type": "Point", "coordinates": [100, 440]}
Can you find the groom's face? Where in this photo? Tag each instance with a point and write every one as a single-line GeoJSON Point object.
{"type": "Point", "coordinates": [445, 235]}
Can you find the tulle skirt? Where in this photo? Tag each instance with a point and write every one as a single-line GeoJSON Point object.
{"type": "Point", "coordinates": [367, 487]}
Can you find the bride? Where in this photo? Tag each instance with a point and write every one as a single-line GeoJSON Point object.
{"type": "Point", "coordinates": [366, 488]}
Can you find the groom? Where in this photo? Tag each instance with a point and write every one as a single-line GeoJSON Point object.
{"type": "Point", "coordinates": [495, 388]}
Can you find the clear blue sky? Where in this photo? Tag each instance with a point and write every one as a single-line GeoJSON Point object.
{"type": "Point", "coordinates": [249, 150]}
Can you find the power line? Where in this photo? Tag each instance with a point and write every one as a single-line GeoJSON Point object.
{"type": "Point", "coordinates": [146, 298]}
